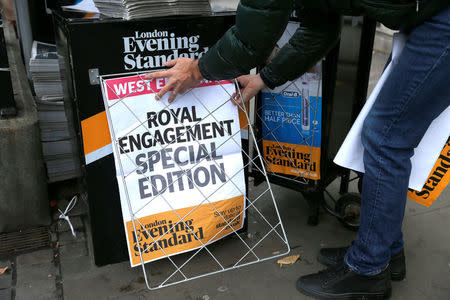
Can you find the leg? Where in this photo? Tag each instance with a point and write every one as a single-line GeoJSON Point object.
{"type": "Point", "coordinates": [416, 92]}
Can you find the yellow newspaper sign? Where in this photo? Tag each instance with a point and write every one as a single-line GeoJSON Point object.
{"type": "Point", "coordinates": [437, 180]}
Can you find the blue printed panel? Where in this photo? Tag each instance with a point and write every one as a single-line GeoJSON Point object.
{"type": "Point", "coordinates": [288, 119]}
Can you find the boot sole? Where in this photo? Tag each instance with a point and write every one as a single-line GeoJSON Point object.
{"type": "Point", "coordinates": [350, 296]}
{"type": "Point", "coordinates": [398, 276]}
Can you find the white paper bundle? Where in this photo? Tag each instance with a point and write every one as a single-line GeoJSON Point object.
{"type": "Point", "coordinates": [134, 9]}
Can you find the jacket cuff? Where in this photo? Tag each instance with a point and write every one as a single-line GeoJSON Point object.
{"type": "Point", "coordinates": [266, 80]}
{"type": "Point", "coordinates": [202, 68]}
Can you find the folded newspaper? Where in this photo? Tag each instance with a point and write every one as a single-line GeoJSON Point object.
{"type": "Point", "coordinates": [133, 9]}
{"type": "Point", "coordinates": [44, 69]}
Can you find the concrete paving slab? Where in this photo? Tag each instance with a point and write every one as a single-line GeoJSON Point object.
{"type": "Point", "coordinates": [77, 223]}
{"type": "Point", "coordinates": [42, 290]}
{"type": "Point", "coordinates": [80, 208]}
{"type": "Point", "coordinates": [73, 250]}
{"type": "Point", "coordinates": [5, 294]}
{"type": "Point", "coordinates": [35, 274]}
{"type": "Point", "coordinates": [75, 266]}
{"type": "Point", "coordinates": [6, 278]}
{"type": "Point", "coordinates": [427, 244]}
{"type": "Point", "coordinates": [100, 283]}
{"type": "Point", "coordinates": [36, 257]}
{"type": "Point", "coordinates": [5, 281]}
{"type": "Point", "coordinates": [66, 238]}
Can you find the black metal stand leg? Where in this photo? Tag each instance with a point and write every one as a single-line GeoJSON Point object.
{"type": "Point", "coordinates": [314, 200]}
{"type": "Point", "coordinates": [345, 179]}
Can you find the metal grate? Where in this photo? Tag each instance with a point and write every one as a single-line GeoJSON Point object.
{"type": "Point", "coordinates": [265, 239]}
{"type": "Point", "coordinates": [24, 240]}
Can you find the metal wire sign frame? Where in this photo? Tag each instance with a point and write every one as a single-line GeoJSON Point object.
{"type": "Point", "coordinates": [181, 173]}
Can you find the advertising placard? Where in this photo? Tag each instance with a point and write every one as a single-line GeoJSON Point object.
{"type": "Point", "coordinates": [291, 122]}
{"type": "Point", "coordinates": [437, 180]}
{"type": "Point", "coordinates": [292, 127]}
{"type": "Point", "coordinates": [179, 167]}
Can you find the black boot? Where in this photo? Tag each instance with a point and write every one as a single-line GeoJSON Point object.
{"type": "Point", "coordinates": [334, 256]}
{"type": "Point", "coordinates": [339, 282]}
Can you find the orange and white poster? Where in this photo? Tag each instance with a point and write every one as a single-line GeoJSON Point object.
{"type": "Point", "coordinates": [179, 166]}
{"type": "Point", "coordinates": [437, 180]}
{"type": "Point", "coordinates": [291, 127]}
{"type": "Point", "coordinates": [291, 116]}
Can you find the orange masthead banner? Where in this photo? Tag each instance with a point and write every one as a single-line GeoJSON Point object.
{"type": "Point", "coordinates": [162, 234]}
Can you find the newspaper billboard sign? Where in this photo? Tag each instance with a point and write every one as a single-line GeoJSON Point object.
{"type": "Point", "coordinates": [179, 166]}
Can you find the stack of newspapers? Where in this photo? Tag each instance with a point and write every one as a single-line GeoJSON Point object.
{"type": "Point", "coordinates": [52, 120]}
{"type": "Point", "coordinates": [218, 6]}
{"type": "Point", "coordinates": [58, 145]}
{"type": "Point", "coordinates": [60, 160]}
{"type": "Point", "coordinates": [134, 9]}
{"type": "Point", "coordinates": [44, 70]}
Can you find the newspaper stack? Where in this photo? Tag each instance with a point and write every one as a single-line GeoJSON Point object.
{"type": "Point", "coordinates": [59, 147]}
{"type": "Point", "coordinates": [44, 69]}
{"type": "Point", "coordinates": [134, 9]}
{"type": "Point", "coordinates": [218, 6]}
{"type": "Point", "coordinates": [52, 120]}
{"type": "Point", "coordinates": [60, 160]}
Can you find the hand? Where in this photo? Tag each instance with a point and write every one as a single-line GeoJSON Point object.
{"type": "Point", "coordinates": [183, 74]}
{"type": "Point", "coordinates": [8, 9]}
{"type": "Point", "coordinates": [251, 85]}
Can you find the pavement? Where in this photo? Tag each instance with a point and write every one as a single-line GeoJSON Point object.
{"type": "Point", "coordinates": [66, 269]}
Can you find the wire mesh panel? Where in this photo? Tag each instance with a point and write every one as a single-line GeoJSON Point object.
{"type": "Point", "coordinates": [290, 120]}
{"type": "Point", "coordinates": [188, 209]}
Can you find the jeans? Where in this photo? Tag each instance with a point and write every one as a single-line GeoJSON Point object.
{"type": "Point", "coordinates": [416, 92]}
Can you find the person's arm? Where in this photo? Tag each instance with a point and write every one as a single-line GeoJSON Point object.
{"type": "Point", "coordinates": [259, 25]}
{"type": "Point", "coordinates": [317, 35]}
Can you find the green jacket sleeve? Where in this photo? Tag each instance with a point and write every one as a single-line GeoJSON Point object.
{"type": "Point", "coordinates": [259, 25]}
{"type": "Point", "coordinates": [317, 34]}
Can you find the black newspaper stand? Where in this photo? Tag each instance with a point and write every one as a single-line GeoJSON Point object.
{"type": "Point", "coordinates": [89, 46]}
